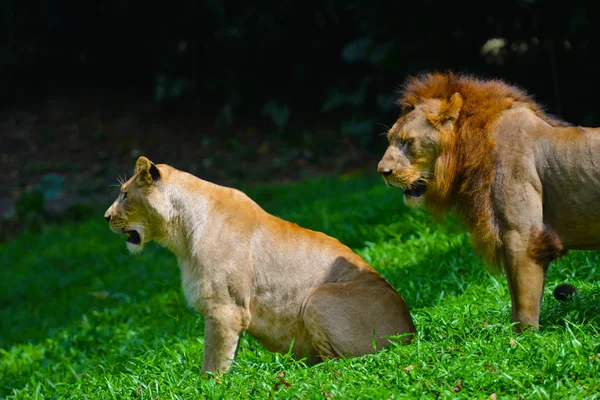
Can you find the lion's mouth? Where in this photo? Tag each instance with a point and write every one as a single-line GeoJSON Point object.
{"type": "Point", "coordinates": [417, 189]}
{"type": "Point", "coordinates": [133, 237]}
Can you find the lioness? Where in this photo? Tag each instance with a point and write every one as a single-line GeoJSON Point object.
{"type": "Point", "coordinates": [527, 185]}
{"type": "Point", "coordinates": [247, 270]}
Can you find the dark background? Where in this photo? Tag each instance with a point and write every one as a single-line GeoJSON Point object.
{"type": "Point", "coordinates": [243, 93]}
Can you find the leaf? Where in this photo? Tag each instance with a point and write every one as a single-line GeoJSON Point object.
{"type": "Point", "coordinates": [408, 368]}
{"type": "Point", "coordinates": [283, 382]}
{"type": "Point", "coordinates": [279, 114]}
{"type": "Point", "coordinates": [458, 386]}
{"type": "Point", "coordinates": [280, 375]}
{"type": "Point", "coordinates": [178, 86]}
{"type": "Point", "coordinates": [357, 128]}
{"type": "Point", "coordinates": [51, 186]}
{"type": "Point", "coordinates": [379, 53]}
{"type": "Point", "coordinates": [356, 50]}
{"type": "Point", "coordinates": [160, 83]}
{"type": "Point", "coordinates": [337, 98]}
{"type": "Point", "coordinates": [263, 148]}
{"type": "Point", "coordinates": [100, 295]}
{"type": "Point", "coordinates": [490, 368]}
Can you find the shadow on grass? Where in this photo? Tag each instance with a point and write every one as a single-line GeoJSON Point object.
{"type": "Point", "coordinates": [582, 310]}
{"type": "Point", "coordinates": [580, 269]}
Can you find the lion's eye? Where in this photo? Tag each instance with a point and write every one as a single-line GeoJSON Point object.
{"type": "Point", "coordinates": [124, 195]}
{"type": "Point", "coordinates": [403, 141]}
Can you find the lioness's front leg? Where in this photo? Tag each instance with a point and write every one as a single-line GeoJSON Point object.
{"type": "Point", "coordinates": [222, 330]}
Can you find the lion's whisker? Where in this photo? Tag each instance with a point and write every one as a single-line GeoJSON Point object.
{"type": "Point", "coordinates": [384, 126]}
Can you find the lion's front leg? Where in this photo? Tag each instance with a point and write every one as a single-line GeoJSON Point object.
{"type": "Point", "coordinates": [526, 275]}
{"type": "Point", "coordinates": [222, 331]}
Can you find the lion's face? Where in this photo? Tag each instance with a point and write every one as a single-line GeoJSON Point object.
{"type": "Point", "coordinates": [410, 158]}
{"type": "Point", "coordinates": [416, 140]}
{"type": "Point", "coordinates": [135, 212]}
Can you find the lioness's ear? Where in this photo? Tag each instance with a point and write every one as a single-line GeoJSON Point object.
{"type": "Point", "coordinates": [146, 171]}
{"type": "Point", "coordinates": [450, 109]}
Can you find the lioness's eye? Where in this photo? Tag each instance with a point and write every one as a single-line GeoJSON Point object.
{"type": "Point", "coordinates": [124, 195]}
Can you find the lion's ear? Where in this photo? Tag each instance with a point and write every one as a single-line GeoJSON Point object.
{"type": "Point", "coordinates": [146, 171]}
{"type": "Point", "coordinates": [450, 109]}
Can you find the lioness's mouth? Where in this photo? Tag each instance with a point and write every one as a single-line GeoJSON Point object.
{"type": "Point", "coordinates": [133, 237]}
{"type": "Point", "coordinates": [417, 189]}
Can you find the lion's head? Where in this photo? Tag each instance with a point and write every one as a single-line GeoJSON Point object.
{"type": "Point", "coordinates": [442, 151]}
{"type": "Point", "coordinates": [416, 149]}
{"type": "Point", "coordinates": [136, 212]}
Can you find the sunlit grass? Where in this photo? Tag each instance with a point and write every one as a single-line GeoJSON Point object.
{"type": "Point", "coordinates": [81, 318]}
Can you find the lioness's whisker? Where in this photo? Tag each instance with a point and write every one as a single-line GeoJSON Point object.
{"type": "Point", "coordinates": [120, 180]}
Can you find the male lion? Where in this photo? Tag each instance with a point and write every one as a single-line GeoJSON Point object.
{"type": "Point", "coordinates": [246, 270]}
{"type": "Point", "coordinates": [527, 185]}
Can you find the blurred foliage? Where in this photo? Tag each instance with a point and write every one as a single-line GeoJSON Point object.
{"type": "Point", "coordinates": [37, 207]}
{"type": "Point", "coordinates": [278, 113]}
{"type": "Point", "coordinates": [29, 210]}
{"type": "Point", "coordinates": [51, 186]}
{"type": "Point", "coordinates": [336, 57]}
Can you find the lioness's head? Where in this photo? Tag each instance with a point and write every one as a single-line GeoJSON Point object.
{"type": "Point", "coordinates": [136, 211]}
{"type": "Point", "coordinates": [414, 159]}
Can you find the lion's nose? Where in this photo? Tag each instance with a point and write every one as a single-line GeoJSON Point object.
{"type": "Point", "coordinates": [383, 169]}
{"type": "Point", "coordinates": [107, 218]}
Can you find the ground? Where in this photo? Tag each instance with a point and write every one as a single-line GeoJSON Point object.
{"type": "Point", "coordinates": [82, 318]}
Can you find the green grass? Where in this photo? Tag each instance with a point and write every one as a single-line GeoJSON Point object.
{"type": "Point", "coordinates": [81, 318]}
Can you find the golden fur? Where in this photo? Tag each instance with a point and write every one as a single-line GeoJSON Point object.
{"type": "Point", "coordinates": [487, 150]}
{"type": "Point", "coordinates": [246, 270]}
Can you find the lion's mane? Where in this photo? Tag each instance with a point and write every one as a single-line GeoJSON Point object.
{"type": "Point", "coordinates": [466, 165]}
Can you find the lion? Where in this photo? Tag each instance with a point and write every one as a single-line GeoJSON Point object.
{"type": "Point", "coordinates": [244, 269]}
{"type": "Point", "coordinates": [526, 184]}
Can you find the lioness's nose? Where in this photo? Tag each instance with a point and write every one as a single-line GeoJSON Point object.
{"type": "Point", "coordinates": [107, 218]}
{"type": "Point", "coordinates": [383, 169]}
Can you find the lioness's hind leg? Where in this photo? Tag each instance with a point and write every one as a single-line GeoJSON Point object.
{"type": "Point", "coordinates": [347, 319]}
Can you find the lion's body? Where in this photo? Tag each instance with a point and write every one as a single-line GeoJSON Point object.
{"type": "Point", "coordinates": [527, 185]}
{"type": "Point", "coordinates": [247, 270]}
{"type": "Point", "coordinates": [559, 166]}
